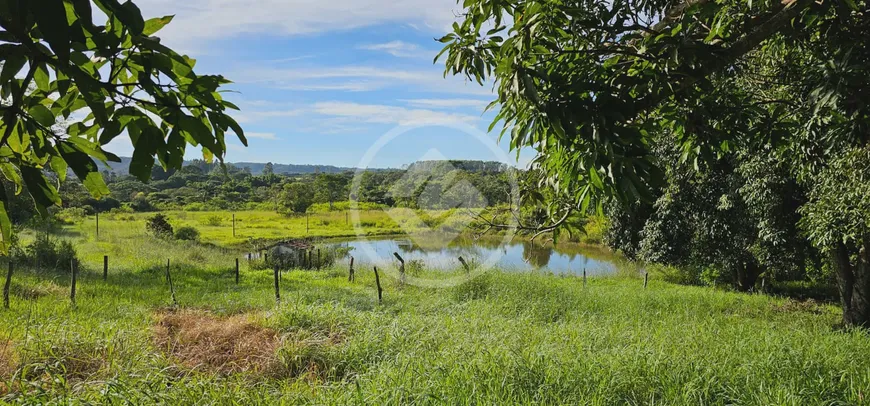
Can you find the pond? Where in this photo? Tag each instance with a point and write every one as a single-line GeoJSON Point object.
{"type": "Point", "coordinates": [523, 256]}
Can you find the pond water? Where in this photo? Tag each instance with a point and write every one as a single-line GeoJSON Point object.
{"type": "Point", "coordinates": [510, 256]}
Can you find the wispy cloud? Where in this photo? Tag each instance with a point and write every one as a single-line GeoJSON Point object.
{"type": "Point", "coordinates": [198, 20]}
{"type": "Point", "coordinates": [264, 136]}
{"type": "Point", "coordinates": [358, 78]}
{"type": "Point", "coordinates": [447, 103]}
{"type": "Point", "coordinates": [384, 114]}
{"type": "Point", "coordinates": [398, 49]}
{"type": "Point", "coordinates": [249, 115]}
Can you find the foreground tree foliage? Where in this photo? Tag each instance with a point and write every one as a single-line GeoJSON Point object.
{"type": "Point", "coordinates": [100, 81]}
{"type": "Point", "coordinates": [595, 86]}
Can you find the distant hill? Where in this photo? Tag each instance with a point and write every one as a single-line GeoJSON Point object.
{"type": "Point", "coordinates": [257, 168]}
{"type": "Point", "coordinates": [122, 168]}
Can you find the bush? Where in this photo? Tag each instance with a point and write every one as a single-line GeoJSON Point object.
{"type": "Point", "coordinates": [48, 253]}
{"type": "Point", "coordinates": [187, 233]}
{"type": "Point", "coordinates": [213, 220]}
{"type": "Point", "coordinates": [70, 215]}
{"type": "Point", "coordinates": [159, 226]}
{"type": "Point", "coordinates": [140, 203]}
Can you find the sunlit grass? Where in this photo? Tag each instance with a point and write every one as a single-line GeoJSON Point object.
{"type": "Point", "coordinates": [499, 338]}
{"type": "Point", "coordinates": [217, 227]}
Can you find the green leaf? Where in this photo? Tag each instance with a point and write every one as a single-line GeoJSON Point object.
{"type": "Point", "coordinates": [58, 166]}
{"type": "Point", "coordinates": [595, 178]}
{"type": "Point", "coordinates": [42, 115]}
{"type": "Point", "coordinates": [127, 13]}
{"type": "Point", "coordinates": [84, 168]}
{"type": "Point", "coordinates": [155, 24]}
{"type": "Point", "coordinates": [43, 192]}
{"type": "Point", "coordinates": [52, 22]}
{"type": "Point", "coordinates": [236, 129]}
{"type": "Point", "coordinates": [83, 10]}
{"type": "Point", "coordinates": [5, 223]}
{"type": "Point", "coordinates": [12, 175]}
{"type": "Point", "coordinates": [149, 141]}
{"type": "Point", "coordinates": [41, 78]}
{"type": "Point", "coordinates": [11, 66]}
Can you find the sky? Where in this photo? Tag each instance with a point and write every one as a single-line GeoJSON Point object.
{"type": "Point", "coordinates": [335, 82]}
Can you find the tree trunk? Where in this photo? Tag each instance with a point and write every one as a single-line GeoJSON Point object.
{"type": "Point", "coordinates": [853, 282]}
{"type": "Point", "coordinates": [747, 276]}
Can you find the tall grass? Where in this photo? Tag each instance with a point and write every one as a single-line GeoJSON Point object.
{"type": "Point", "coordinates": [500, 338]}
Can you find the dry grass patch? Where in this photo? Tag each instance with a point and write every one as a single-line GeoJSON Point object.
{"type": "Point", "coordinates": [41, 289]}
{"type": "Point", "coordinates": [7, 360]}
{"type": "Point", "coordinates": [223, 345]}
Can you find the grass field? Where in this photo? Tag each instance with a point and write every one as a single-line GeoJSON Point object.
{"type": "Point", "coordinates": [500, 338]}
{"type": "Point", "coordinates": [217, 227]}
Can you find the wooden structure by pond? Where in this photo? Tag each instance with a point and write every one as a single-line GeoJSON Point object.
{"type": "Point", "coordinates": [297, 254]}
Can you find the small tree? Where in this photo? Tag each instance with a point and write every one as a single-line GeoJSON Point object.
{"type": "Point", "coordinates": [187, 233]}
{"type": "Point", "coordinates": [159, 226]}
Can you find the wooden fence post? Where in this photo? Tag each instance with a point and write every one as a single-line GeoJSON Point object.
{"type": "Point", "coordinates": [171, 287]}
{"type": "Point", "coordinates": [237, 271]}
{"type": "Point", "coordinates": [319, 260]}
{"type": "Point", "coordinates": [72, 291]}
{"type": "Point", "coordinates": [378, 282]}
{"type": "Point", "coordinates": [584, 278]}
{"type": "Point", "coordinates": [105, 267]}
{"type": "Point", "coordinates": [6, 286]}
{"type": "Point", "coordinates": [234, 224]}
{"type": "Point", "coordinates": [401, 268]}
{"type": "Point", "coordinates": [464, 264]}
{"type": "Point", "coordinates": [350, 273]}
{"type": "Point", "coordinates": [98, 224]}
{"type": "Point", "coordinates": [306, 223]}
{"type": "Point", "coordinates": [645, 278]}
{"type": "Point", "coordinates": [277, 287]}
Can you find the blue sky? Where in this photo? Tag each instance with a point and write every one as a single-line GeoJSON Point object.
{"type": "Point", "coordinates": [320, 82]}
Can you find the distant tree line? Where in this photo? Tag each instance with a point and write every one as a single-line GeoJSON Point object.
{"type": "Point", "coordinates": [208, 186]}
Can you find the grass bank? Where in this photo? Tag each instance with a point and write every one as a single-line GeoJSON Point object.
{"type": "Point", "coordinates": [500, 338]}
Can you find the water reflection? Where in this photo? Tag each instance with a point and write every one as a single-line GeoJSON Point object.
{"type": "Point", "coordinates": [439, 253]}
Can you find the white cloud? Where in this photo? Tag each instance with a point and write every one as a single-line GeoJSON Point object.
{"type": "Point", "coordinates": [358, 78]}
{"type": "Point", "coordinates": [264, 136]}
{"type": "Point", "coordinates": [399, 49]}
{"type": "Point", "coordinates": [383, 114]}
{"type": "Point", "coordinates": [250, 116]}
{"type": "Point", "coordinates": [198, 20]}
{"type": "Point", "coordinates": [447, 103]}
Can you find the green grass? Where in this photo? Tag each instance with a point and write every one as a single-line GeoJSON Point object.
{"type": "Point", "coordinates": [217, 227]}
{"type": "Point", "coordinates": [500, 338]}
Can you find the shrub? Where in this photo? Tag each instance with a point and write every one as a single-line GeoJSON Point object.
{"type": "Point", "coordinates": [70, 215]}
{"type": "Point", "coordinates": [48, 253]}
{"type": "Point", "coordinates": [159, 226]}
{"type": "Point", "coordinates": [187, 233]}
{"type": "Point", "coordinates": [213, 220]}
{"type": "Point", "coordinates": [140, 203]}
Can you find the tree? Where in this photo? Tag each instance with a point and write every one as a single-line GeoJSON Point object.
{"type": "Point", "coordinates": [117, 73]}
{"type": "Point", "coordinates": [297, 196]}
{"type": "Point", "coordinates": [593, 85]}
{"type": "Point", "coordinates": [838, 220]}
{"type": "Point", "coordinates": [268, 170]}
{"type": "Point", "coordinates": [330, 187]}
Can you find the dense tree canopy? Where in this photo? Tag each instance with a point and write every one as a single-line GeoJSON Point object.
{"type": "Point", "coordinates": [732, 87]}
{"type": "Point", "coordinates": [101, 81]}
